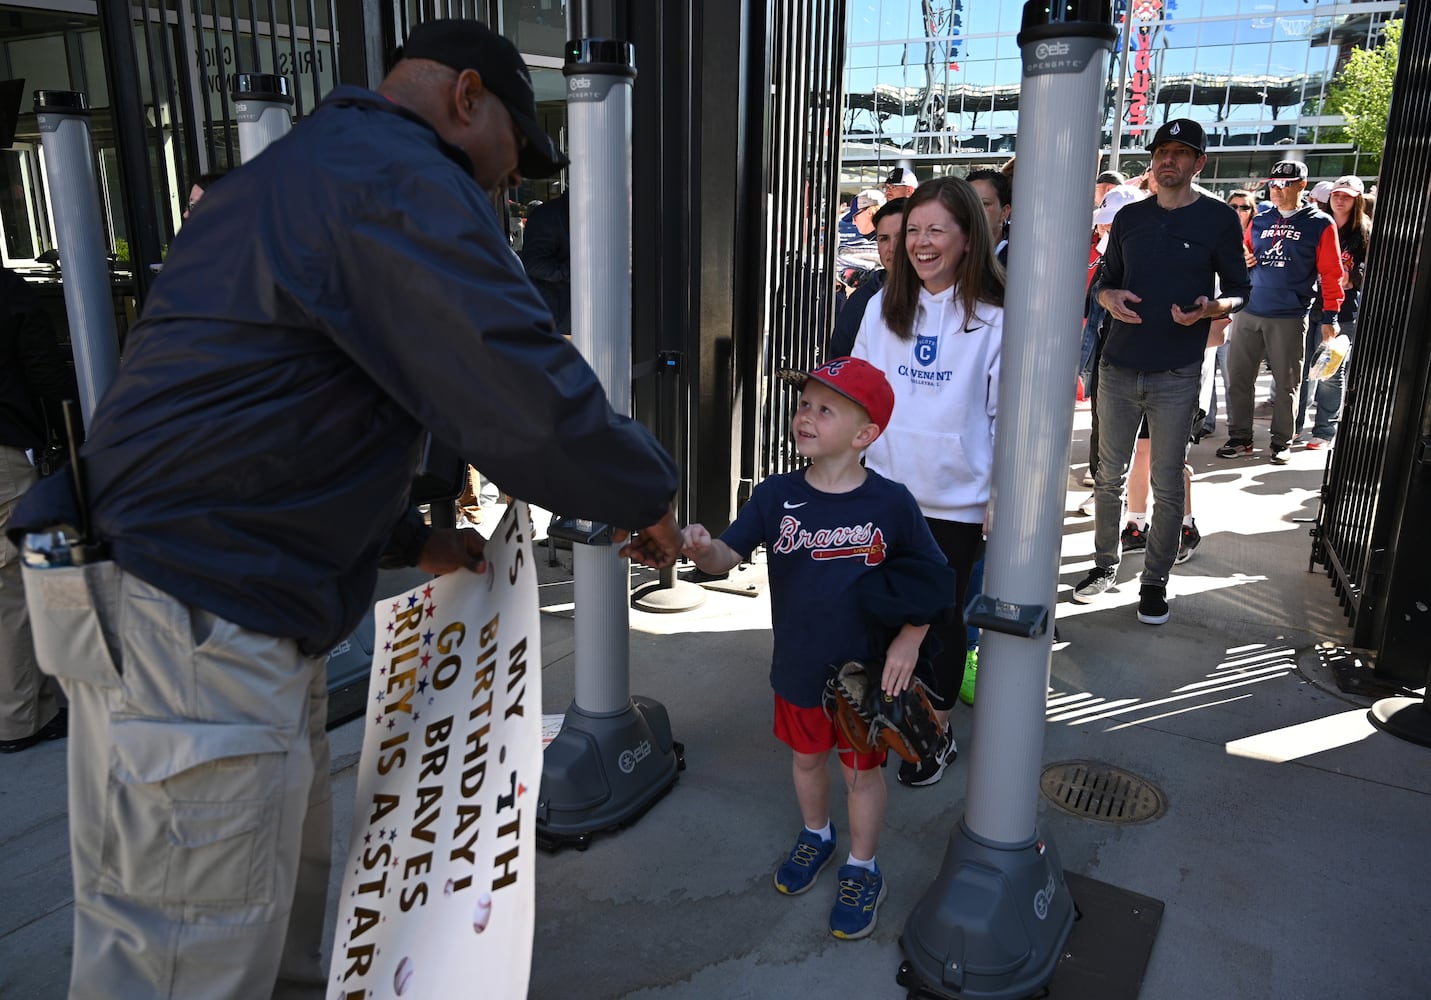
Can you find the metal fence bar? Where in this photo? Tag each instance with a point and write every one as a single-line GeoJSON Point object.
{"type": "Point", "coordinates": [312, 52]}
{"type": "Point", "coordinates": [253, 36]}
{"type": "Point", "coordinates": [272, 35]}
{"type": "Point", "coordinates": [164, 218]}
{"type": "Point", "coordinates": [196, 30]}
{"type": "Point", "coordinates": [293, 62]}
{"type": "Point", "coordinates": [1369, 528]}
{"type": "Point", "coordinates": [333, 39]}
{"type": "Point", "coordinates": [180, 68]}
{"type": "Point", "coordinates": [802, 173]}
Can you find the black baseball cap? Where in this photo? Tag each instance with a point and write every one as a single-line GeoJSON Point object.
{"type": "Point", "coordinates": [1183, 130]}
{"type": "Point", "coordinates": [464, 44]}
{"type": "Point", "coordinates": [1288, 170]}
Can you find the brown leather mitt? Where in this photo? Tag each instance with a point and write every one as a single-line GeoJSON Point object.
{"type": "Point", "coordinates": [872, 720]}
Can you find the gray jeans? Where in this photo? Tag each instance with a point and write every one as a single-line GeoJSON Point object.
{"type": "Point", "coordinates": [1169, 400]}
{"type": "Point", "coordinates": [1281, 339]}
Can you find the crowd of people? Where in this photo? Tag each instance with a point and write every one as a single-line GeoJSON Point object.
{"type": "Point", "coordinates": [249, 470]}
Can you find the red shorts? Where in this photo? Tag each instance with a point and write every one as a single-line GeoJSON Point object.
{"type": "Point", "coordinates": [810, 730]}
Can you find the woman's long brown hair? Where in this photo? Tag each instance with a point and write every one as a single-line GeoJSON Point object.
{"type": "Point", "coordinates": [979, 277]}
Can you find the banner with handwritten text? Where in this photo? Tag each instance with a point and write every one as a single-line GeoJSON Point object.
{"type": "Point", "coordinates": [437, 896]}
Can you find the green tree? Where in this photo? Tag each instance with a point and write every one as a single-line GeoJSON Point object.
{"type": "Point", "coordinates": [1362, 92]}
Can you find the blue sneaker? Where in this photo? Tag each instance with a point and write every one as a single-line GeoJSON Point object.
{"type": "Point", "coordinates": [807, 859]}
{"type": "Point", "coordinates": [856, 906]}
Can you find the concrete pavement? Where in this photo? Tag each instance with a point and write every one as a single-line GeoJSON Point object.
{"type": "Point", "coordinates": [1291, 857]}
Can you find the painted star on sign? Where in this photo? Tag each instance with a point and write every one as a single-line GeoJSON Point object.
{"type": "Point", "coordinates": [427, 591]}
{"type": "Point", "coordinates": [427, 637]}
{"type": "Point", "coordinates": [411, 600]}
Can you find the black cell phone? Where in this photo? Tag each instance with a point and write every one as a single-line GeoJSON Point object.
{"type": "Point", "coordinates": [1192, 308]}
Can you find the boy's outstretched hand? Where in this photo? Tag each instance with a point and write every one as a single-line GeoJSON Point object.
{"type": "Point", "coordinates": [696, 542]}
{"type": "Point", "coordinates": [711, 555]}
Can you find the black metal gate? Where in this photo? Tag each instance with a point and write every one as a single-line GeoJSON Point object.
{"type": "Point", "coordinates": [171, 68]}
{"type": "Point", "coordinates": [805, 63]}
{"type": "Point", "coordinates": [1373, 534]}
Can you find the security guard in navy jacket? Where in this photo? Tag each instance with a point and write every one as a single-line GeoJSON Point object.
{"type": "Point", "coordinates": [251, 463]}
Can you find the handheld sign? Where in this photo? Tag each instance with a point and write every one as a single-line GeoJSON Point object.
{"type": "Point", "coordinates": [438, 887]}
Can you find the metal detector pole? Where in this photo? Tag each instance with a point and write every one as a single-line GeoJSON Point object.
{"type": "Point", "coordinates": [614, 755]}
{"type": "Point", "coordinates": [63, 120]}
{"type": "Point", "coordinates": [599, 75]}
{"type": "Point", "coordinates": [994, 922]}
{"type": "Point", "coordinates": [263, 109]}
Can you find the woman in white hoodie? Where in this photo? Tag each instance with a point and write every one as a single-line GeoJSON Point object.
{"type": "Point", "coordinates": [935, 329]}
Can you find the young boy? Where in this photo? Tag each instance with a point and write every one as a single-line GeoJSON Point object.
{"type": "Point", "coordinates": [824, 527]}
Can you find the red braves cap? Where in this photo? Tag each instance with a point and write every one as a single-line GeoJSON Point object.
{"type": "Point", "coordinates": [855, 379]}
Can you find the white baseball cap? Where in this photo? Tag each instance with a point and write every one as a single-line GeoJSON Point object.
{"type": "Point", "coordinates": [1116, 199]}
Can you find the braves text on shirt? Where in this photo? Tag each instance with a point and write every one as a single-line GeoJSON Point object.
{"type": "Point", "coordinates": [863, 541]}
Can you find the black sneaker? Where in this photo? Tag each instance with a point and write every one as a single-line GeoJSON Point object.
{"type": "Point", "coordinates": [1095, 583]}
{"type": "Point", "coordinates": [1153, 604]}
{"type": "Point", "coordinates": [56, 729]}
{"type": "Point", "coordinates": [1134, 538]}
{"type": "Point", "coordinates": [919, 775]}
{"type": "Point", "coordinates": [1236, 449]}
{"type": "Point", "coordinates": [1189, 542]}
{"type": "Point", "coordinates": [1279, 456]}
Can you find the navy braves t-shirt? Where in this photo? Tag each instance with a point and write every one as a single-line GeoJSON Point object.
{"type": "Point", "coordinates": [818, 544]}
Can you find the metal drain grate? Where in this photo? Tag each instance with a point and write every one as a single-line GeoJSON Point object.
{"type": "Point", "coordinates": [1099, 791]}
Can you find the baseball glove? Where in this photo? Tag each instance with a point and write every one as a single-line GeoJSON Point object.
{"type": "Point", "coordinates": [872, 720]}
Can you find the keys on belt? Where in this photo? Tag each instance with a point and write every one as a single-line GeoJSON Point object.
{"type": "Point", "coordinates": [58, 547]}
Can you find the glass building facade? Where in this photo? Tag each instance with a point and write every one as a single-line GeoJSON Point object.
{"type": "Point", "coordinates": [934, 84]}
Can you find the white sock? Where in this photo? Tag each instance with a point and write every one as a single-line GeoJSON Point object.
{"type": "Point", "coordinates": [1140, 518]}
{"type": "Point", "coordinates": [825, 832]}
{"type": "Point", "coordinates": [1187, 520]}
{"type": "Point", "coordinates": [866, 865]}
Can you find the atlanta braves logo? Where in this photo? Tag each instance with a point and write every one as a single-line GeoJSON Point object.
{"type": "Point", "coordinates": [862, 541]}
{"type": "Point", "coordinates": [832, 368]}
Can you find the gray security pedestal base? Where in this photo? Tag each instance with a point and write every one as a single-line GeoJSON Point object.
{"type": "Point", "coordinates": [992, 925]}
{"type": "Point", "coordinates": [603, 772]}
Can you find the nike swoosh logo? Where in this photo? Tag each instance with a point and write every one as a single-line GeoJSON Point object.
{"type": "Point", "coordinates": [792, 506]}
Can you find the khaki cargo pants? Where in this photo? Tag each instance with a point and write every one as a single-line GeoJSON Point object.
{"type": "Point", "coordinates": [27, 697]}
{"type": "Point", "coordinates": [199, 799]}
